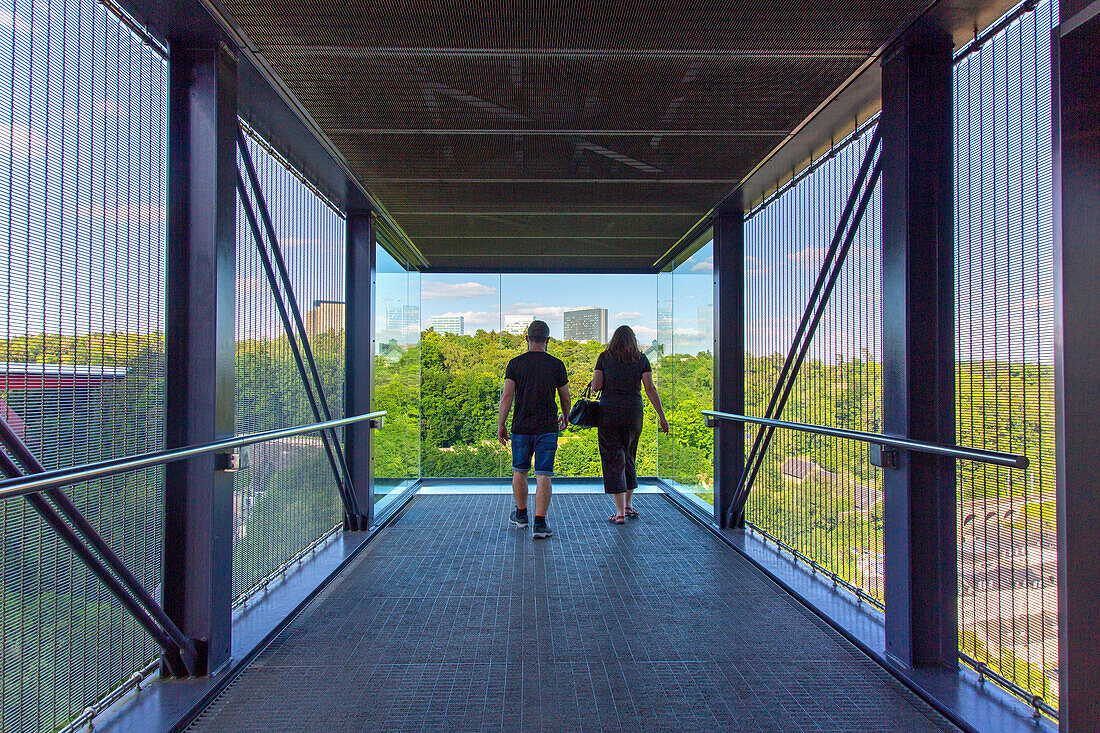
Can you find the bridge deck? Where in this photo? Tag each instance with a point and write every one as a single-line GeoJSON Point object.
{"type": "Point", "coordinates": [453, 621]}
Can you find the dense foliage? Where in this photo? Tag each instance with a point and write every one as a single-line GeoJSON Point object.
{"type": "Point", "coordinates": [460, 379]}
{"type": "Point", "coordinates": [442, 395]}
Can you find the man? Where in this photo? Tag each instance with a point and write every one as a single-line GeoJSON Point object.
{"type": "Point", "coordinates": [531, 379]}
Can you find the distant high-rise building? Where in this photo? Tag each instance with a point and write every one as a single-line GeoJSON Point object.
{"type": "Point", "coordinates": [706, 318]}
{"type": "Point", "coordinates": [401, 317]}
{"type": "Point", "coordinates": [449, 324]}
{"type": "Point", "coordinates": [326, 315]}
{"type": "Point", "coordinates": [586, 324]}
{"type": "Point", "coordinates": [664, 323]}
{"type": "Point", "coordinates": [517, 324]}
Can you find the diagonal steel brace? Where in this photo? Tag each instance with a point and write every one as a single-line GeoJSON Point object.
{"type": "Point", "coordinates": [180, 654]}
{"type": "Point", "coordinates": [815, 309]}
{"type": "Point", "coordinates": [327, 439]}
{"type": "Point", "coordinates": [295, 312]}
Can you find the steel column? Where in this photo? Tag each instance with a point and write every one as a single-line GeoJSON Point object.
{"type": "Point", "coordinates": [918, 317]}
{"type": "Point", "coordinates": [359, 361]}
{"type": "Point", "coordinates": [729, 356]}
{"type": "Point", "coordinates": [1077, 364]}
{"type": "Point", "coordinates": [199, 343]}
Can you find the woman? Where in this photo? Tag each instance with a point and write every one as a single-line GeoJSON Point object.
{"type": "Point", "coordinates": [621, 370]}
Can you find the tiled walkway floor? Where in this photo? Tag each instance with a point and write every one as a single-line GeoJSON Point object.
{"type": "Point", "coordinates": [453, 621]}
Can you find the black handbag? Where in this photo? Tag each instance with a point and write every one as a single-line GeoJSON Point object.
{"type": "Point", "coordinates": [586, 411]}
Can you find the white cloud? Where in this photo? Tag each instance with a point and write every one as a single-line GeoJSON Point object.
{"type": "Point", "coordinates": [808, 256]}
{"type": "Point", "coordinates": [251, 285]}
{"type": "Point", "coordinates": [22, 141]}
{"type": "Point", "coordinates": [690, 334]}
{"type": "Point", "coordinates": [645, 334]}
{"type": "Point", "coordinates": [706, 265]}
{"type": "Point", "coordinates": [538, 311]}
{"type": "Point", "coordinates": [815, 256]}
{"type": "Point", "coordinates": [627, 316]}
{"type": "Point", "coordinates": [8, 20]}
{"type": "Point", "coordinates": [473, 320]}
{"type": "Point", "coordinates": [756, 266]}
{"type": "Point", "coordinates": [455, 291]}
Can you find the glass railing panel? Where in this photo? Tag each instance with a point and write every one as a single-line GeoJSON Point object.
{"type": "Point", "coordinates": [461, 370]}
{"type": "Point", "coordinates": [692, 361]}
{"type": "Point", "coordinates": [665, 372]}
{"type": "Point", "coordinates": [396, 375]}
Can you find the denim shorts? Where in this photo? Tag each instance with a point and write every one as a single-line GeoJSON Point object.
{"type": "Point", "coordinates": [543, 447]}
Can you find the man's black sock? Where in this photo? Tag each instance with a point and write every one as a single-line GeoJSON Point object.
{"type": "Point", "coordinates": [521, 513]}
{"type": "Point", "coordinates": [540, 521]}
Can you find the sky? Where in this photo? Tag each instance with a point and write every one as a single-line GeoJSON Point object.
{"type": "Point", "coordinates": [485, 299]}
{"type": "Point", "coordinates": [482, 300]}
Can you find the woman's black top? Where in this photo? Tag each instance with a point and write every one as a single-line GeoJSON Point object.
{"type": "Point", "coordinates": [621, 399]}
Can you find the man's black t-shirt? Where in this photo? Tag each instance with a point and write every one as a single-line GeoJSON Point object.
{"type": "Point", "coordinates": [537, 376]}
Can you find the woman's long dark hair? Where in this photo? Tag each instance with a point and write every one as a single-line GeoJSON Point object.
{"type": "Point", "coordinates": [624, 345]}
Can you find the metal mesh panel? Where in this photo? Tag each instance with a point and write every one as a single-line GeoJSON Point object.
{"type": "Point", "coordinates": [1008, 598]}
{"type": "Point", "coordinates": [818, 495]}
{"type": "Point", "coordinates": [287, 497]}
{"type": "Point", "coordinates": [82, 198]}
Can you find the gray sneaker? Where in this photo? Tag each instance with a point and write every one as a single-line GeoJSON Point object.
{"type": "Point", "coordinates": [514, 518]}
{"type": "Point", "coordinates": [542, 531]}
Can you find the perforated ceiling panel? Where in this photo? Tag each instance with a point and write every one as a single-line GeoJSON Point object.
{"type": "Point", "coordinates": [588, 137]}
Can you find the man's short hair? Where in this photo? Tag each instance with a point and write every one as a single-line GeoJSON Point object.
{"type": "Point", "coordinates": [538, 332]}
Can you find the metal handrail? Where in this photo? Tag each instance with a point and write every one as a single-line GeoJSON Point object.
{"type": "Point", "coordinates": [978, 455]}
{"type": "Point", "coordinates": [77, 474]}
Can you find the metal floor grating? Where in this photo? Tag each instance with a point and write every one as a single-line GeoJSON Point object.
{"type": "Point", "coordinates": [453, 621]}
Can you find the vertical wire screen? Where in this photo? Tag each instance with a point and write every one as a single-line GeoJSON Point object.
{"type": "Point", "coordinates": [287, 497]}
{"type": "Point", "coordinates": [818, 495]}
{"type": "Point", "coordinates": [82, 209]}
{"type": "Point", "coordinates": [1008, 600]}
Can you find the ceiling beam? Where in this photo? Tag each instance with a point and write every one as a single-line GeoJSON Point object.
{"type": "Point", "coordinates": [554, 132]}
{"type": "Point", "coordinates": [556, 212]}
{"type": "Point", "coordinates": [587, 181]}
{"type": "Point", "coordinates": [563, 237]}
{"type": "Point", "coordinates": [752, 54]}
